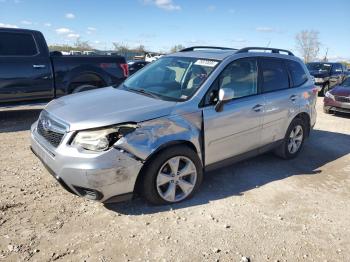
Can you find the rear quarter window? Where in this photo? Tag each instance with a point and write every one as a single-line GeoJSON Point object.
{"type": "Point", "coordinates": [274, 74]}
{"type": "Point", "coordinates": [17, 44]}
{"type": "Point", "coordinates": [297, 73]}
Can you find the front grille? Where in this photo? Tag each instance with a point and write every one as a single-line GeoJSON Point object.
{"type": "Point", "coordinates": [52, 137]}
{"type": "Point", "coordinates": [50, 129]}
{"type": "Point", "coordinates": [343, 99]}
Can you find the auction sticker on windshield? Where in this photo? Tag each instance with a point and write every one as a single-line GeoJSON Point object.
{"type": "Point", "coordinates": [209, 63]}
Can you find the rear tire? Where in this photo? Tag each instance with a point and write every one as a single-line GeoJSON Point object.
{"type": "Point", "coordinates": [293, 140]}
{"type": "Point", "coordinates": [165, 180]}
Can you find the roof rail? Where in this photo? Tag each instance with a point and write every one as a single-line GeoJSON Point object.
{"type": "Point", "coordinates": [192, 48]}
{"type": "Point", "coordinates": [273, 50]}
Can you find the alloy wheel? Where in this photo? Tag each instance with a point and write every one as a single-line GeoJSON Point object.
{"type": "Point", "coordinates": [295, 139]}
{"type": "Point", "coordinates": [176, 179]}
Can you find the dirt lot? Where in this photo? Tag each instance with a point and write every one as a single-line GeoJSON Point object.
{"type": "Point", "coordinates": [264, 209]}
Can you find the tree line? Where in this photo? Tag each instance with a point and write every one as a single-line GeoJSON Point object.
{"type": "Point", "coordinates": [307, 44]}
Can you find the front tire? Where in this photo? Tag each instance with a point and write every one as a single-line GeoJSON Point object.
{"type": "Point", "coordinates": [293, 140]}
{"type": "Point", "coordinates": [172, 176]}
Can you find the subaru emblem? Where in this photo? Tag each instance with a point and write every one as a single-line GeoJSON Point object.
{"type": "Point", "coordinates": [46, 124]}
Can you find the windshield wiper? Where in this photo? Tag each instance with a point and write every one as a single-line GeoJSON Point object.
{"type": "Point", "coordinates": [143, 91]}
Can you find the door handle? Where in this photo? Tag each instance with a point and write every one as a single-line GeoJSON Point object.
{"type": "Point", "coordinates": [293, 98]}
{"type": "Point", "coordinates": [257, 108]}
{"type": "Point", "coordinates": [39, 66]}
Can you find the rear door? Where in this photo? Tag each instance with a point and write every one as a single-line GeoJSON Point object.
{"type": "Point", "coordinates": [237, 128]}
{"type": "Point", "coordinates": [25, 69]}
{"type": "Point", "coordinates": [281, 100]}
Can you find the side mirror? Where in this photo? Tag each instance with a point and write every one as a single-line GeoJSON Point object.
{"type": "Point", "coordinates": [225, 94]}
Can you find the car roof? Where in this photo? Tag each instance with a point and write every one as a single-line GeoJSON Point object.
{"type": "Point", "coordinates": [19, 30]}
{"type": "Point", "coordinates": [206, 54]}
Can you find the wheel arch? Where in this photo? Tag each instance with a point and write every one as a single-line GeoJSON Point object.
{"type": "Point", "coordinates": [154, 154]}
{"type": "Point", "coordinates": [84, 78]}
{"type": "Point", "coordinates": [306, 119]}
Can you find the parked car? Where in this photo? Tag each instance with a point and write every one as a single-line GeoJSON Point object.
{"type": "Point", "coordinates": [148, 57]}
{"type": "Point", "coordinates": [74, 52]}
{"type": "Point", "coordinates": [136, 65]}
{"type": "Point", "coordinates": [89, 53]}
{"type": "Point", "coordinates": [29, 73]}
{"type": "Point", "coordinates": [327, 75]}
{"type": "Point", "coordinates": [152, 57]}
{"type": "Point", "coordinates": [338, 99]}
{"type": "Point", "coordinates": [186, 113]}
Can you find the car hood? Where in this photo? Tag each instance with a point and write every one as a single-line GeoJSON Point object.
{"type": "Point", "coordinates": [106, 106]}
{"type": "Point", "coordinates": [341, 91]}
{"type": "Point", "coordinates": [319, 74]}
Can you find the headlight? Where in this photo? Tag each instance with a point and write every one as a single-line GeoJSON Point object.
{"type": "Point", "coordinates": [329, 95]}
{"type": "Point", "coordinates": [101, 139]}
{"type": "Point", "coordinates": [319, 80]}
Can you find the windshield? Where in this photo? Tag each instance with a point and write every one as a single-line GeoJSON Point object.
{"type": "Point", "coordinates": [171, 78]}
{"type": "Point", "coordinates": [319, 67]}
{"type": "Point", "coordinates": [346, 82]}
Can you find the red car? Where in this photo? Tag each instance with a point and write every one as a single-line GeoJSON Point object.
{"type": "Point", "coordinates": [338, 99]}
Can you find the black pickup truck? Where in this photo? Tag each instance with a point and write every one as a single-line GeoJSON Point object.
{"type": "Point", "coordinates": [29, 73]}
{"type": "Point", "coordinates": [327, 75]}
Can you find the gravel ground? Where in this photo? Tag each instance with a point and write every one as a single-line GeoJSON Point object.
{"type": "Point", "coordinates": [262, 209]}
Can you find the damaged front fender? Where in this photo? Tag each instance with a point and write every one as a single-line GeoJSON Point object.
{"type": "Point", "coordinates": [152, 135]}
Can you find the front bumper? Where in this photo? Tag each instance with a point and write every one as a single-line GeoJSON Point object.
{"type": "Point", "coordinates": [106, 176]}
{"type": "Point", "coordinates": [333, 105]}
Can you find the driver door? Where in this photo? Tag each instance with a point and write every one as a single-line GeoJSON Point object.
{"type": "Point", "coordinates": [237, 128]}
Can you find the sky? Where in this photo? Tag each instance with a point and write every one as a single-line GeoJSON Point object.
{"type": "Point", "coordinates": [161, 24]}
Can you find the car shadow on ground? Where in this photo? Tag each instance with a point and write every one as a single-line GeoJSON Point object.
{"type": "Point", "coordinates": [321, 148]}
{"type": "Point", "coordinates": [17, 120]}
{"type": "Point", "coordinates": [341, 115]}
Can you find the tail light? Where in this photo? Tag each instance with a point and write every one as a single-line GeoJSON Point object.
{"type": "Point", "coordinates": [125, 69]}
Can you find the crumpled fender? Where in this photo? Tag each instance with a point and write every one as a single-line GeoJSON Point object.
{"type": "Point", "coordinates": [154, 134]}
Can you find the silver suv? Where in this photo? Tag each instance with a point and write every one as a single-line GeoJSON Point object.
{"type": "Point", "coordinates": [188, 112]}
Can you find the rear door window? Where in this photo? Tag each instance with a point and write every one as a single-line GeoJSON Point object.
{"type": "Point", "coordinates": [297, 73]}
{"type": "Point", "coordinates": [274, 75]}
{"type": "Point", "coordinates": [17, 44]}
